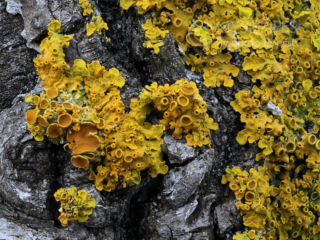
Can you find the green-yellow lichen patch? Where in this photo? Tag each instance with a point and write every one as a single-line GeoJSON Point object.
{"type": "Point", "coordinates": [154, 35]}
{"type": "Point", "coordinates": [86, 7]}
{"type": "Point", "coordinates": [97, 25]}
{"type": "Point", "coordinates": [75, 205]}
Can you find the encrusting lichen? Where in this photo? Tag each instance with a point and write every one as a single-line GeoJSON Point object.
{"type": "Point", "coordinates": [74, 207]}
{"type": "Point", "coordinates": [82, 108]}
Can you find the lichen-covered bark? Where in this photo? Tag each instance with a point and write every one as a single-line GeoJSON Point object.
{"type": "Point", "coordinates": [188, 202]}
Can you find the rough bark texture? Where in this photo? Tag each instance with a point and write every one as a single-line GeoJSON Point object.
{"type": "Point", "coordinates": [189, 202]}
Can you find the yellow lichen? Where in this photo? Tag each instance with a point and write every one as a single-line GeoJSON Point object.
{"type": "Point", "coordinates": [51, 66]}
{"type": "Point", "coordinates": [86, 7]}
{"type": "Point", "coordinates": [154, 36]}
{"type": "Point", "coordinates": [75, 205]}
{"type": "Point", "coordinates": [83, 106]}
{"type": "Point", "coordinates": [284, 65]}
{"type": "Point", "coordinates": [284, 205]}
{"type": "Point", "coordinates": [184, 111]}
{"type": "Point", "coordinates": [97, 25]}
